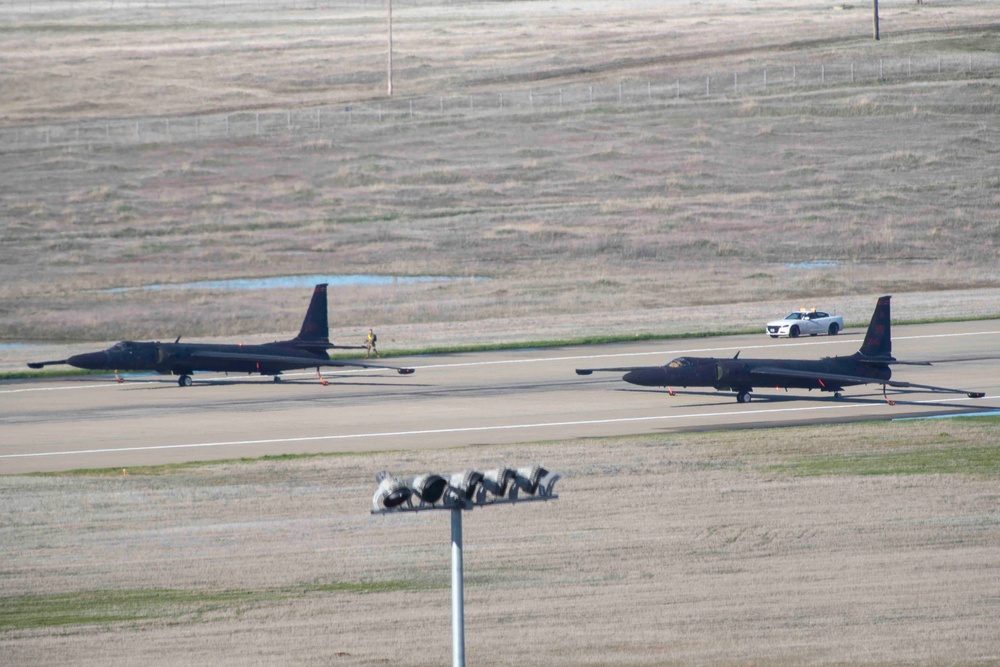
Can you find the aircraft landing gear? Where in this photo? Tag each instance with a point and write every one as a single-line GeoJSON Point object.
{"type": "Point", "coordinates": [184, 381]}
{"type": "Point", "coordinates": [886, 397]}
{"type": "Point", "coordinates": [743, 396]}
{"type": "Point", "coordinates": [277, 378]}
{"type": "Point", "coordinates": [837, 395]}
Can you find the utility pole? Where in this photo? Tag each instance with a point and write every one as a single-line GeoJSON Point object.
{"type": "Point", "coordinates": [389, 58]}
{"type": "Point", "coordinates": [875, 24]}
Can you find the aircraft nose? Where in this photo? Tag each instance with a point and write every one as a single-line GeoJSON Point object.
{"type": "Point", "coordinates": [90, 361]}
{"type": "Point", "coordinates": [653, 376]}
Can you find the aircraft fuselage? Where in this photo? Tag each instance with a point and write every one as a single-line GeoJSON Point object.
{"type": "Point", "coordinates": [186, 358]}
{"type": "Point", "coordinates": [745, 374]}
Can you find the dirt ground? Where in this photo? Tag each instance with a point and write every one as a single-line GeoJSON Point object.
{"type": "Point", "coordinates": [684, 549]}
{"type": "Point", "coordinates": [597, 213]}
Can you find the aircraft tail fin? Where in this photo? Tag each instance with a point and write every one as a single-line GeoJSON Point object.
{"type": "Point", "coordinates": [878, 340]}
{"type": "Point", "coordinates": [315, 328]}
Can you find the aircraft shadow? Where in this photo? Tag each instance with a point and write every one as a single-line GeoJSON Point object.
{"type": "Point", "coordinates": [166, 382]}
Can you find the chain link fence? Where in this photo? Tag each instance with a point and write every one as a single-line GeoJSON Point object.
{"type": "Point", "coordinates": [321, 121]}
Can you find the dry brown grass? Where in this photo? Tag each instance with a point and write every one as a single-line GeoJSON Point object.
{"type": "Point", "coordinates": [680, 549]}
{"type": "Point", "coordinates": [573, 214]}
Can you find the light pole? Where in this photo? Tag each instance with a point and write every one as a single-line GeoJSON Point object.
{"type": "Point", "coordinates": [457, 492]}
{"type": "Point", "coordinates": [389, 27]}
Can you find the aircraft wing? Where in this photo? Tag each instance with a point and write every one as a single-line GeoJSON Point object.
{"type": "Point", "coordinates": [282, 359]}
{"type": "Point", "coordinates": [624, 369]}
{"type": "Point", "coordinates": [858, 379]}
{"type": "Point", "coordinates": [43, 364]}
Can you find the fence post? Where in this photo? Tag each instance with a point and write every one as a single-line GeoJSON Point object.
{"type": "Point", "coordinates": [793, 73]}
{"type": "Point", "coordinates": [765, 79]}
{"type": "Point", "coordinates": [531, 100]}
{"type": "Point", "coordinates": [939, 63]}
{"type": "Point", "coordinates": [708, 86]}
{"type": "Point", "coordinates": [852, 71]}
{"type": "Point", "coordinates": [591, 93]}
{"type": "Point", "coordinates": [880, 69]}
{"type": "Point", "coordinates": [736, 83]}
{"type": "Point", "coordinates": [822, 74]}
{"type": "Point", "coordinates": [621, 91]}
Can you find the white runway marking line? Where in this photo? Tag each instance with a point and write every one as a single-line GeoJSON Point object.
{"type": "Point", "coordinates": [466, 429]}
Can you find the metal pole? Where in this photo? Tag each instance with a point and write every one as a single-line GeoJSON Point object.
{"type": "Point", "coordinates": [457, 592]}
{"type": "Point", "coordinates": [388, 21]}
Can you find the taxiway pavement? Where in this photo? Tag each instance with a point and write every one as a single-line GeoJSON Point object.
{"type": "Point", "coordinates": [483, 398]}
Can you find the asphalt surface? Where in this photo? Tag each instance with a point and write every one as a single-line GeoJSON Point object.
{"type": "Point", "coordinates": [486, 398]}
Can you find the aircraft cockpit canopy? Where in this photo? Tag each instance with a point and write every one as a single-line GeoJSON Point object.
{"type": "Point", "coordinates": [680, 362]}
{"type": "Point", "coordinates": [124, 346]}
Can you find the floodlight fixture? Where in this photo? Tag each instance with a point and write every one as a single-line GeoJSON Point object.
{"type": "Point", "coordinates": [429, 488]}
{"type": "Point", "coordinates": [527, 478]}
{"type": "Point", "coordinates": [465, 484]}
{"type": "Point", "coordinates": [391, 492]}
{"type": "Point", "coordinates": [497, 480]}
{"type": "Point", "coordinates": [456, 492]}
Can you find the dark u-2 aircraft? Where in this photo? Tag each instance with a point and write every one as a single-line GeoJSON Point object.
{"type": "Point", "coordinates": [307, 350]}
{"type": "Point", "coordinates": [869, 365]}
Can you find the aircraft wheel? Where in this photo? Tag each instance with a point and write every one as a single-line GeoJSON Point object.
{"type": "Point", "coordinates": [743, 396]}
{"type": "Point", "coordinates": [277, 378]}
{"type": "Point", "coordinates": [834, 329]}
{"type": "Point", "coordinates": [184, 381]}
{"type": "Point", "coordinates": [793, 332]}
{"type": "Point", "coordinates": [837, 395]}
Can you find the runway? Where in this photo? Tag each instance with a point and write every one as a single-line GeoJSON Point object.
{"type": "Point", "coordinates": [485, 398]}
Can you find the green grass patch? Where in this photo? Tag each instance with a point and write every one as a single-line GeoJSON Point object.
{"type": "Point", "coordinates": [172, 468]}
{"type": "Point", "coordinates": [981, 461]}
{"type": "Point", "coordinates": [55, 372]}
{"type": "Point", "coordinates": [32, 611]}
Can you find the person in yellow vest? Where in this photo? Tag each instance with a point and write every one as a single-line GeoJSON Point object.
{"type": "Point", "coordinates": [370, 344]}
